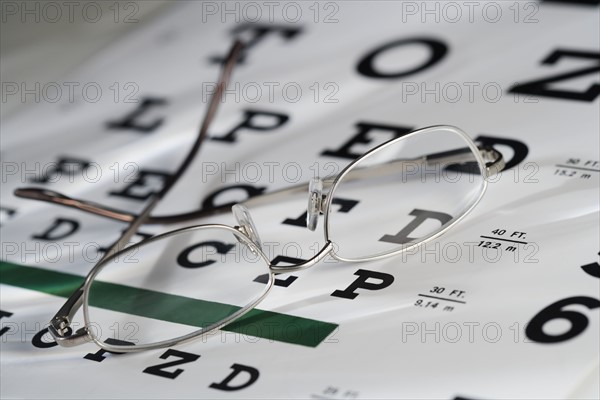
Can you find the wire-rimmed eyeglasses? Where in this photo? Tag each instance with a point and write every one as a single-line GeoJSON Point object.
{"type": "Point", "coordinates": [189, 282]}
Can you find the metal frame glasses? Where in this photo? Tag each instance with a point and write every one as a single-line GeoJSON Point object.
{"type": "Point", "coordinates": [484, 162]}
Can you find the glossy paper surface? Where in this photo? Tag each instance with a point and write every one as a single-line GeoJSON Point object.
{"type": "Point", "coordinates": [505, 305]}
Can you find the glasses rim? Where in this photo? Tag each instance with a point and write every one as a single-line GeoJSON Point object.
{"type": "Point", "coordinates": [59, 326]}
{"type": "Point", "coordinates": [86, 334]}
{"type": "Point", "coordinates": [483, 170]}
{"type": "Point", "coordinates": [244, 240]}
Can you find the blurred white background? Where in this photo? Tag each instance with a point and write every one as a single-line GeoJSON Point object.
{"type": "Point", "coordinates": [36, 46]}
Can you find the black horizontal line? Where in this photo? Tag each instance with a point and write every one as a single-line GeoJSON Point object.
{"type": "Point", "coordinates": [506, 240]}
{"type": "Point", "coordinates": [581, 168]}
{"type": "Point", "coordinates": [442, 298]}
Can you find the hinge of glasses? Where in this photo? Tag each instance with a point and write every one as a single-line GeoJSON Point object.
{"type": "Point", "coordinates": [59, 326]}
{"type": "Point", "coordinates": [494, 162]}
{"type": "Point", "coordinates": [63, 334]}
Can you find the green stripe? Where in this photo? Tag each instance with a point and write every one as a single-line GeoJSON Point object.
{"type": "Point", "coordinates": [259, 323]}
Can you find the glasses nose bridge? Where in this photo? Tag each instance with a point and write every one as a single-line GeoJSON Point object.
{"type": "Point", "coordinates": [321, 254]}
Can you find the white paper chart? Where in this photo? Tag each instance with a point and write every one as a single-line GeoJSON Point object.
{"type": "Point", "coordinates": [505, 305]}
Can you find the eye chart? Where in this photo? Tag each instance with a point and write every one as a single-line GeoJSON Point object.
{"type": "Point", "coordinates": [505, 305]}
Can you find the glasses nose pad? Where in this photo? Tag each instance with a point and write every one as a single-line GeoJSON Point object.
{"type": "Point", "coordinates": [245, 224]}
{"type": "Point", "coordinates": [315, 198]}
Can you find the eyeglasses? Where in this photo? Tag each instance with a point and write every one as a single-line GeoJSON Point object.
{"type": "Point", "coordinates": [189, 282]}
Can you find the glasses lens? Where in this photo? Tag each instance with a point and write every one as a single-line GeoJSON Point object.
{"type": "Point", "coordinates": [407, 191]}
{"type": "Point", "coordinates": [181, 284]}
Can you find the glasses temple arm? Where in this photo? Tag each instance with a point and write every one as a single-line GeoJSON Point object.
{"type": "Point", "coordinates": [494, 161]}
{"type": "Point", "coordinates": [211, 111]}
{"type": "Point", "coordinates": [61, 199]}
{"type": "Point", "coordinates": [119, 215]}
{"type": "Point", "coordinates": [459, 156]}
{"type": "Point", "coordinates": [492, 157]}
{"type": "Point", "coordinates": [53, 197]}
{"type": "Point", "coordinates": [59, 325]}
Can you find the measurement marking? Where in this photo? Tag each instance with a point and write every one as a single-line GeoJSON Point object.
{"type": "Point", "coordinates": [442, 298]}
{"type": "Point", "coordinates": [506, 240]}
{"type": "Point", "coordinates": [581, 168]}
